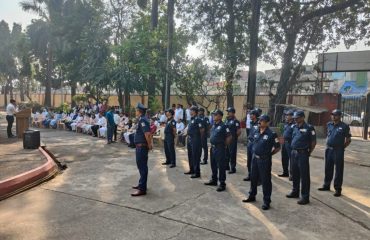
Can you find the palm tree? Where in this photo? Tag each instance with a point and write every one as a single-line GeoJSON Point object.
{"type": "Point", "coordinates": [49, 12]}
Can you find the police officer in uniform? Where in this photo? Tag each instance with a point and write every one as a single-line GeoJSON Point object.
{"type": "Point", "coordinates": [286, 149]}
{"type": "Point", "coordinates": [143, 143]}
{"type": "Point", "coordinates": [220, 138]}
{"type": "Point", "coordinates": [254, 114]}
{"type": "Point", "coordinates": [303, 143]}
{"type": "Point", "coordinates": [339, 137]}
{"type": "Point", "coordinates": [169, 139]}
{"type": "Point", "coordinates": [234, 126]}
{"type": "Point", "coordinates": [195, 134]}
{"type": "Point", "coordinates": [266, 144]}
{"type": "Point", "coordinates": [205, 136]}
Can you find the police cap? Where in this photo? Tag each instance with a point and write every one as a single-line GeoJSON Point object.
{"type": "Point", "coordinates": [201, 109]}
{"type": "Point", "coordinates": [265, 118]}
{"type": "Point", "coordinates": [141, 107]}
{"type": "Point", "coordinates": [289, 112]}
{"type": "Point", "coordinates": [336, 112]}
{"type": "Point", "coordinates": [194, 108]}
{"type": "Point", "coordinates": [298, 114]}
{"type": "Point", "coordinates": [170, 110]}
{"type": "Point", "coordinates": [230, 109]}
{"type": "Point", "coordinates": [255, 112]}
{"type": "Point", "coordinates": [218, 112]}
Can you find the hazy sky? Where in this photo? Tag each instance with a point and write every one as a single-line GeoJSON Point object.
{"type": "Point", "coordinates": [10, 11]}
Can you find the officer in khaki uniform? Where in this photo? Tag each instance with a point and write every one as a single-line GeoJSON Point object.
{"type": "Point", "coordinates": [338, 138]}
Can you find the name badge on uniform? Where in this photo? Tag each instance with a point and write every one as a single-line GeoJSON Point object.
{"type": "Point", "coordinates": [255, 127]}
{"type": "Point", "coordinates": [192, 121]}
{"type": "Point", "coordinates": [219, 128]}
{"type": "Point", "coordinates": [237, 124]}
{"type": "Point", "coordinates": [173, 123]}
{"type": "Point", "coordinates": [265, 137]}
{"type": "Point", "coordinates": [200, 125]}
{"type": "Point", "coordinates": [227, 130]}
{"type": "Point", "coordinates": [143, 124]}
{"type": "Point", "coordinates": [313, 133]}
{"type": "Point", "coordinates": [276, 140]}
{"type": "Point", "coordinates": [303, 130]}
{"type": "Point", "coordinates": [231, 122]}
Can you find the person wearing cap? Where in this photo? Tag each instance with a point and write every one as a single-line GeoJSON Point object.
{"type": "Point", "coordinates": [286, 149]}
{"type": "Point", "coordinates": [169, 139]}
{"type": "Point", "coordinates": [143, 143]}
{"type": "Point", "coordinates": [303, 143]}
{"type": "Point", "coordinates": [266, 144]}
{"type": "Point", "coordinates": [254, 128]}
{"type": "Point", "coordinates": [195, 133]}
{"type": "Point", "coordinates": [206, 125]}
{"type": "Point", "coordinates": [220, 138]}
{"type": "Point", "coordinates": [338, 138]}
{"type": "Point", "coordinates": [234, 125]}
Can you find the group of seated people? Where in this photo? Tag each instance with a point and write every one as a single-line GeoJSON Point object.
{"type": "Point", "coordinates": [88, 122]}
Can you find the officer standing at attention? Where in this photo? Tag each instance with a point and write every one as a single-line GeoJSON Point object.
{"type": "Point", "coordinates": [234, 126]}
{"type": "Point", "coordinates": [254, 114]}
{"type": "Point", "coordinates": [143, 142]}
{"type": "Point", "coordinates": [205, 135]}
{"type": "Point", "coordinates": [339, 137]}
{"type": "Point", "coordinates": [195, 134]}
{"type": "Point", "coordinates": [220, 138]}
{"type": "Point", "coordinates": [303, 143]}
{"type": "Point", "coordinates": [286, 149]}
{"type": "Point", "coordinates": [266, 144]}
{"type": "Point", "coordinates": [169, 139]}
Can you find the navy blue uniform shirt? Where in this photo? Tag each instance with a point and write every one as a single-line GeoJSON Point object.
{"type": "Point", "coordinates": [264, 142]}
{"type": "Point", "coordinates": [234, 125]}
{"type": "Point", "coordinates": [288, 131]}
{"type": "Point", "coordinates": [168, 130]}
{"type": "Point", "coordinates": [219, 133]}
{"type": "Point", "coordinates": [337, 134]}
{"type": "Point", "coordinates": [303, 136]}
{"type": "Point", "coordinates": [206, 122]}
{"type": "Point", "coordinates": [253, 129]}
{"type": "Point", "coordinates": [194, 127]}
{"type": "Point", "coordinates": [143, 127]}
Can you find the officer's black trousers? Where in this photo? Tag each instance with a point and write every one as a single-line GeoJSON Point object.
{"type": "Point", "coordinates": [205, 148]}
{"type": "Point", "coordinates": [218, 164]}
{"type": "Point", "coordinates": [301, 173]}
{"type": "Point", "coordinates": [231, 152]}
{"type": "Point", "coordinates": [142, 165]}
{"type": "Point", "coordinates": [194, 154]}
{"type": "Point", "coordinates": [10, 120]}
{"type": "Point", "coordinates": [285, 156]}
{"type": "Point", "coordinates": [169, 150]}
{"type": "Point", "coordinates": [334, 157]}
{"type": "Point", "coordinates": [261, 170]}
{"type": "Point", "coordinates": [249, 157]}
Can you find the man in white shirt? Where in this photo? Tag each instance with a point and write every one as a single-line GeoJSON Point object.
{"type": "Point", "coordinates": [179, 113]}
{"type": "Point", "coordinates": [180, 126]}
{"type": "Point", "coordinates": [117, 120]}
{"type": "Point", "coordinates": [162, 118]}
{"type": "Point", "coordinates": [10, 111]}
{"type": "Point", "coordinates": [188, 115]}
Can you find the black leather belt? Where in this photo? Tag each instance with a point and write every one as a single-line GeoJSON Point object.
{"type": "Point", "coordinates": [260, 156]}
{"type": "Point", "coordinates": [218, 145]}
{"type": "Point", "coordinates": [301, 150]}
{"type": "Point", "coordinates": [140, 145]}
{"type": "Point", "coordinates": [334, 148]}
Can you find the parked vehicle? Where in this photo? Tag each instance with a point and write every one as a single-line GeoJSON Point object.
{"type": "Point", "coordinates": [351, 120]}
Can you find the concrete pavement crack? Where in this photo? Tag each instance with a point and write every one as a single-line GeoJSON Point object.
{"type": "Point", "coordinates": [177, 234]}
{"type": "Point", "coordinates": [146, 212]}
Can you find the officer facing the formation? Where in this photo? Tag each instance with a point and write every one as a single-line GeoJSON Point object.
{"type": "Point", "coordinates": [169, 139]}
{"type": "Point", "coordinates": [143, 142]}
{"type": "Point", "coordinates": [220, 137]}
{"type": "Point", "coordinates": [234, 125]}
{"type": "Point", "coordinates": [266, 144]}
{"type": "Point", "coordinates": [206, 125]}
{"type": "Point", "coordinates": [195, 134]}
{"type": "Point", "coordinates": [286, 149]}
{"type": "Point", "coordinates": [339, 137]}
{"type": "Point", "coordinates": [303, 143]}
{"type": "Point", "coordinates": [254, 114]}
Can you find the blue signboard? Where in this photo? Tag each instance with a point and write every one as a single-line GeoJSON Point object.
{"type": "Point", "coordinates": [351, 88]}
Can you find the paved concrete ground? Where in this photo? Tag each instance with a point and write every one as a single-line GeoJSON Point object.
{"type": "Point", "coordinates": [91, 200]}
{"type": "Point", "coordinates": [14, 159]}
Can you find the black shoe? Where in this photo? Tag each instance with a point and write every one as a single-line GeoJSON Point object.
{"type": "Point", "coordinates": [165, 163]}
{"type": "Point", "coordinates": [204, 163]}
{"type": "Point", "coordinates": [221, 188]}
{"type": "Point", "coordinates": [337, 193]}
{"type": "Point", "coordinates": [195, 176]}
{"type": "Point", "coordinates": [247, 179]}
{"type": "Point", "coordinates": [249, 199]}
{"type": "Point", "coordinates": [284, 175]}
{"type": "Point", "coordinates": [265, 206]}
{"type": "Point", "coordinates": [303, 201]}
{"type": "Point", "coordinates": [188, 173]}
{"type": "Point", "coordinates": [172, 165]}
{"type": "Point", "coordinates": [211, 183]}
{"type": "Point", "coordinates": [232, 171]}
{"type": "Point", "coordinates": [323, 188]}
{"type": "Point", "coordinates": [292, 195]}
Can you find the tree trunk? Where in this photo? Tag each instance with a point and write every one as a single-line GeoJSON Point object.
{"type": "Point", "coordinates": [28, 89]}
{"type": "Point", "coordinates": [170, 30]}
{"type": "Point", "coordinates": [5, 95]}
{"type": "Point", "coordinates": [127, 99]}
{"type": "Point", "coordinates": [21, 88]}
{"type": "Point", "coordinates": [152, 78]}
{"type": "Point", "coordinates": [47, 101]}
{"type": "Point", "coordinates": [253, 52]}
{"type": "Point", "coordinates": [120, 98]}
{"type": "Point", "coordinates": [231, 54]}
{"type": "Point", "coordinates": [283, 85]}
{"type": "Point", "coordinates": [73, 92]}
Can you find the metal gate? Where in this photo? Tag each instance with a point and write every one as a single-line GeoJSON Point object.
{"type": "Point", "coordinates": [354, 109]}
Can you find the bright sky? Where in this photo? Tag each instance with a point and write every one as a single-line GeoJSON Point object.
{"type": "Point", "coordinates": [11, 12]}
